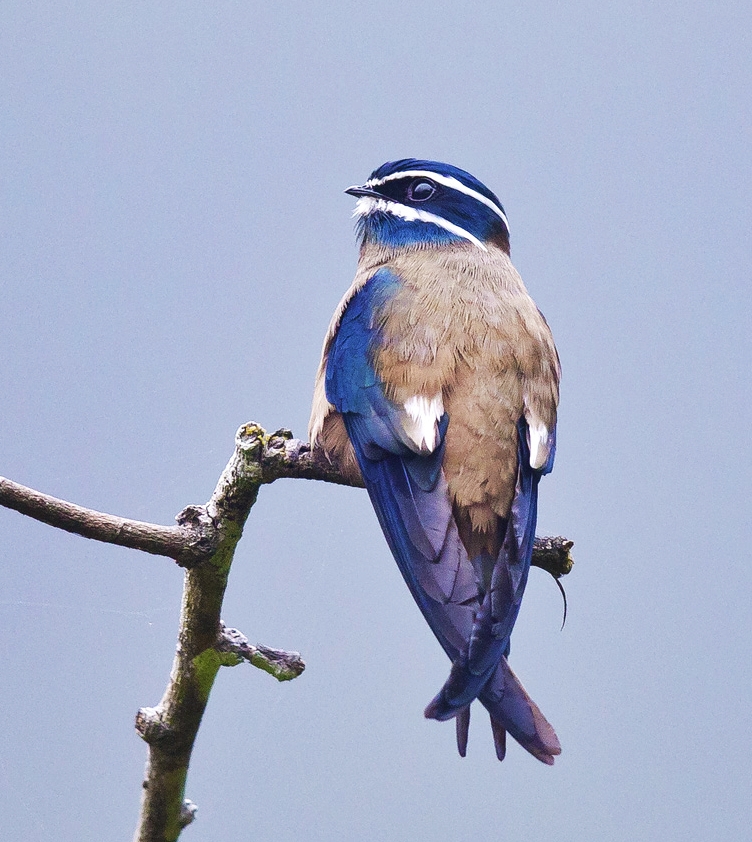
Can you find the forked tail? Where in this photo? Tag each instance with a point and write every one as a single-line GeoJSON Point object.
{"type": "Point", "coordinates": [513, 711]}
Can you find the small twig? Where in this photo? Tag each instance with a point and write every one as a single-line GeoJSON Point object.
{"type": "Point", "coordinates": [284, 666]}
{"type": "Point", "coordinates": [287, 457]}
{"type": "Point", "coordinates": [188, 812]}
{"type": "Point", "coordinates": [553, 555]}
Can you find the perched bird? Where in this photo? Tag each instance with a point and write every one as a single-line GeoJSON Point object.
{"type": "Point", "coordinates": [438, 384]}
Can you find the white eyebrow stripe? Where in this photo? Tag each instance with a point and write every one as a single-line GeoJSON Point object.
{"type": "Point", "coordinates": [447, 181]}
{"type": "Point", "coordinates": [366, 205]}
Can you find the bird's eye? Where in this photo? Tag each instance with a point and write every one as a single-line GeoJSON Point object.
{"type": "Point", "coordinates": [420, 190]}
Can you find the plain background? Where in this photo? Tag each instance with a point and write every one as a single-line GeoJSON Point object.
{"type": "Point", "coordinates": [174, 239]}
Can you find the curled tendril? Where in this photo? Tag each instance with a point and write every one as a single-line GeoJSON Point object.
{"type": "Point", "coordinates": [564, 597]}
{"type": "Point", "coordinates": [563, 593]}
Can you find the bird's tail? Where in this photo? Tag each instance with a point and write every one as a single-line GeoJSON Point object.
{"type": "Point", "coordinates": [512, 711]}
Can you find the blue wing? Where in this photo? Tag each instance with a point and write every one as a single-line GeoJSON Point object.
{"type": "Point", "coordinates": [471, 619]}
{"type": "Point", "coordinates": [407, 487]}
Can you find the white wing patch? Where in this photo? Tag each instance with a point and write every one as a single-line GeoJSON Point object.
{"type": "Point", "coordinates": [539, 447]}
{"type": "Point", "coordinates": [421, 423]}
{"type": "Point", "coordinates": [538, 436]}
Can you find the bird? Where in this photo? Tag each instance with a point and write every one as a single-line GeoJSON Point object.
{"type": "Point", "coordinates": [438, 389]}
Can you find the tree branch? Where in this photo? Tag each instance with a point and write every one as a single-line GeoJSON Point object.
{"type": "Point", "coordinates": [204, 542]}
{"type": "Point", "coordinates": [266, 458]}
{"type": "Point", "coordinates": [170, 729]}
{"type": "Point", "coordinates": [173, 541]}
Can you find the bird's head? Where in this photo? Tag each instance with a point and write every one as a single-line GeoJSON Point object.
{"type": "Point", "coordinates": [415, 202]}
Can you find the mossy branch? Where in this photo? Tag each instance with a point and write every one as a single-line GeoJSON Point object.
{"type": "Point", "coordinates": [204, 542]}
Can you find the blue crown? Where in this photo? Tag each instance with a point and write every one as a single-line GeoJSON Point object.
{"type": "Point", "coordinates": [414, 201]}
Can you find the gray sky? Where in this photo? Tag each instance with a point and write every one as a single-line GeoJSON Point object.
{"type": "Point", "coordinates": [174, 240]}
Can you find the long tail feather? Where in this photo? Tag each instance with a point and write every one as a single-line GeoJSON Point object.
{"type": "Point", "coordinates": [511, 707]}
{"type": "Point", "coordinates": [500, 738]}
{"type": "Point", "coordinates": [463, 729]}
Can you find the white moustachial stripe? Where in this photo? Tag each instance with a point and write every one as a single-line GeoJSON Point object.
{"type": "Point", "coordinates": [422, 421]}
{"type": "Point", "coordinates": [366, 205]}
